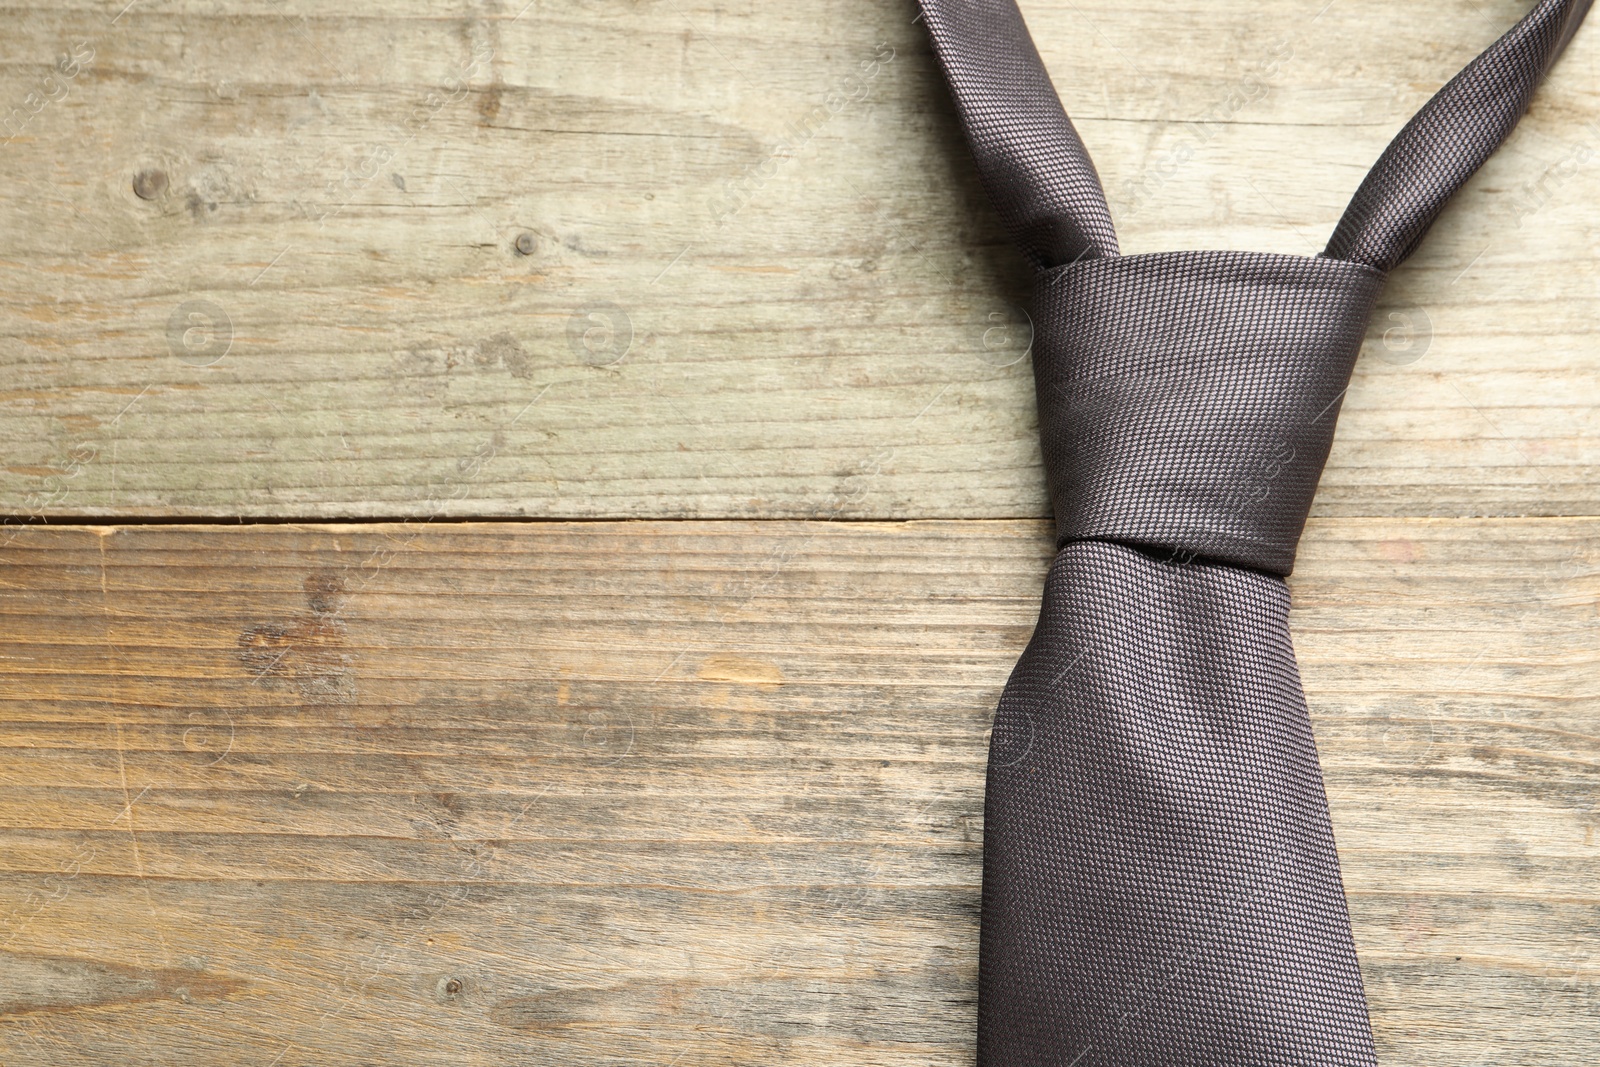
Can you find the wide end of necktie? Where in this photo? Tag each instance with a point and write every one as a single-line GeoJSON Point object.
{"type": "Point", "coordinates": [1160, 883]}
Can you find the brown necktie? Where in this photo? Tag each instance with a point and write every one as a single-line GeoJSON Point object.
{"type": "Point", "coordinates": [1160, 884]}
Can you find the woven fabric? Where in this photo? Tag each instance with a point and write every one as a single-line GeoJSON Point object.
{"type": "Point", "coordinates": [1161, 885]}
{"type": "Point", "coordinates": [1187, 400]}
{"type": "Point", "coordinates": [1031, 161]}
{"type": "Point", "coordinates": [1450, 138]}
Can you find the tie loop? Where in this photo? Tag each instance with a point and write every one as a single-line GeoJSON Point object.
{"type": "Point", "coordinates": [1032, 162]}
{"type": "Point", "coordinates": [1450, 138]}
{"type": "Point", "coordinates": [1044, 185]}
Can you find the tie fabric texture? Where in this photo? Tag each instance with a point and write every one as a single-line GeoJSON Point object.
{"type": "Point", "coordinates": [1160, 883]}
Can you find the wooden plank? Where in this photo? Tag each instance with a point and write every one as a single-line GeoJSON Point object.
{"type": "Point", "coordinates": [604, 793]}
{"type": "Point", "coordinates": [760, 278]}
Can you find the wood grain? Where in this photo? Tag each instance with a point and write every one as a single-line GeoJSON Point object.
{"type": "Point", "coordinates": [607, 793]}
{"type": "Point", "coordinates": [760, 278]}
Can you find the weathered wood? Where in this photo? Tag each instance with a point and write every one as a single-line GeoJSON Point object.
{"type": "Point", "coordinates": [760, 279]}
{"type": "Point", "coordinates": [707, 793]}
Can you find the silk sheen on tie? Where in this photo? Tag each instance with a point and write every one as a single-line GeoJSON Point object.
{"type": "Point", "coordinates": [1160, 884]}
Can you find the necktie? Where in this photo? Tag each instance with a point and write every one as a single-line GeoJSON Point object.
{"type": "Point", "coordinates": [1160, 884]}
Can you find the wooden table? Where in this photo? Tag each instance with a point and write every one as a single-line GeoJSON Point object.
{"type": "Point", "coordinates": [317, 751]}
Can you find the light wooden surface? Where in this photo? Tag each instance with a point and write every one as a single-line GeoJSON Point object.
{"type": "Point", "coordinates": [705, 793]}
{"type": "Point", "coordinates": [734, 305]}
{"type": "Point", "coordinates": [709, 793]}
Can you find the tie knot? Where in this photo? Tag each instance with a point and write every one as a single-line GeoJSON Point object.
{"type": "Point", "coordinates": [1187, 400]}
